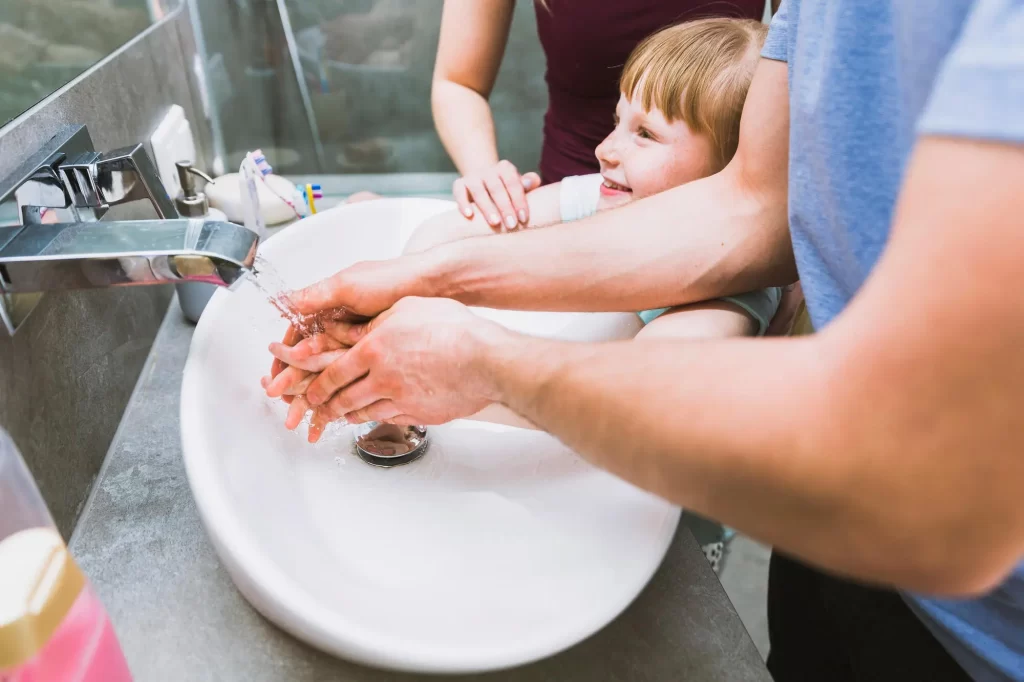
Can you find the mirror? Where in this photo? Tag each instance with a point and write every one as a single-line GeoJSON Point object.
{"type": "Point", "coordinates": [44, 44]}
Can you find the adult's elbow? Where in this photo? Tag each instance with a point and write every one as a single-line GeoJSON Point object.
{"type": "Point", "coordinates": [959, 558]}
{"type": "Point", "coordinates": [976, 579]}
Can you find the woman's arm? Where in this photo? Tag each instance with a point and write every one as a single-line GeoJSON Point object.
{"type": "Point", "coordinates": [452, 226]}
{"type": "Point", "coordinates": [469, 52]}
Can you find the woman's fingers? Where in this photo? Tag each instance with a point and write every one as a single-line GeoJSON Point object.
{"type": "Point", "coordinates": [462, 197]}
{"type": "Point", "coordinates": [480, 195]}
{"type": "Point", "coordinates": [499, 195]}
{"type": "Point", "coordinates": [531, 181]}
{"type": "Point", "coordinates": [513, 183]}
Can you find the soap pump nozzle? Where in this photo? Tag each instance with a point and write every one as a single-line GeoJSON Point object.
{"type": "Point", "coordinates": [191, 203]}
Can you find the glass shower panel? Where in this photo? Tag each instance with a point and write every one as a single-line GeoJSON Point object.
{"type": "Point", "coordinates": [367, 65]}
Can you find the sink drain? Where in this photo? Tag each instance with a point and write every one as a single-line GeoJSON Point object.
{"type": "Point", "coordinates": [388, 445]}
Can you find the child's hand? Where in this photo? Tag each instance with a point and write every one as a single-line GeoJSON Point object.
{"type": "Point", "coordinates": [312, 355]}
{"type": "Point", "coordinates": [297, 363]}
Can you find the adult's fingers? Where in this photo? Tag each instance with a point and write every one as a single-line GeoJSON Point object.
{"type": "Point", "coordinates": [482, 198]}
{"type": "Point", "coordinates": [530, 181]}
{"type": "Point", "coordinates": [318, 423]}
{"type": "Point", "coordinates": [355, 396]}
{"type": "Point", "coordinates": [380, 411]}
{"type": "Point", "coordinates": [462, 197]}
{"type": "Point", "coordinates": [499, 194]}
{"type": "Point", "coordinates": [332, 292]}
{"type": "Point", "coordinates": [296, 413]}
{"type": "Point", "coordinates": [350, 367]}
{"type": "Point", "coordinates": [513, 182]}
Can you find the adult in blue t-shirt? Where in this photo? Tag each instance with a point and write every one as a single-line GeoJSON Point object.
{"type": "Point", "coordinates": [881, 158]}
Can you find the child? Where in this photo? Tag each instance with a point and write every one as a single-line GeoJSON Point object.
{"type": "Point", "coordinates": [677, 120]}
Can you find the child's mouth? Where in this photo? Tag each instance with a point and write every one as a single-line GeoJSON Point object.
{"type": "Point", "coordinates": [610, 188]}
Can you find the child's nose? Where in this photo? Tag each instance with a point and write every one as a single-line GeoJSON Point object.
{"type": "Point", "coordinates": [606, 152]}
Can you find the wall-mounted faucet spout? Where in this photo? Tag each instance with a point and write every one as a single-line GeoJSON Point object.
{"type": "Point", "coordinates": [50, 236]}
{"type": "Point", "coordinates": [104, 254]}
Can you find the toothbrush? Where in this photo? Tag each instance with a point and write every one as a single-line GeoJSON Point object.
{"type": "Point", "coordinates": [311, 193]}
{"type": "Point", "coordinates": [262, 165]}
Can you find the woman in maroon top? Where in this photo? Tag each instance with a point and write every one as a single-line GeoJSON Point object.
{"type": "Point", "coordinates": [586, 42]}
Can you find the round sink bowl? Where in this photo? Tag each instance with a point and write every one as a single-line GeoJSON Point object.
{"type": "Point", "coordinates": [498, 547]}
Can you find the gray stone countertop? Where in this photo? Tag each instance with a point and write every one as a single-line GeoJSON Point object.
{"type": "Point", "coordinates": [179, 617]}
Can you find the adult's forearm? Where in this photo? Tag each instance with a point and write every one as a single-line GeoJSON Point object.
{"type": "Point", "coordinates": [743, 431]}
{"type": "Point", "coordinates": [714, 426]}
{"type": "Point", "coordinates": [703, 240]}
{"type": "Point", "coordinates": [886, 446]}
{"type": "Point", "coordinates": [465, 125]}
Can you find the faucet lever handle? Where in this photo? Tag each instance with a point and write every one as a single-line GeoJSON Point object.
{"type": "Point", "coordinates": [99, 181]}
{"type": "Point", "coordinates": [76, 173]}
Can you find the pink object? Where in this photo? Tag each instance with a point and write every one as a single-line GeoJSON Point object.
{"type": "Point", "coordinates": [83, 649]}
{"type": "Point", "coordinates": [52, 626]}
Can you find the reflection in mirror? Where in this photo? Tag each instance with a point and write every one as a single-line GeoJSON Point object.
{"type": "Point", "coordinates": [44, 44]}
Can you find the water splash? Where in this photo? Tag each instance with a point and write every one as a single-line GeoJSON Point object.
{"type": "Point", "coordinates": [271, 284]}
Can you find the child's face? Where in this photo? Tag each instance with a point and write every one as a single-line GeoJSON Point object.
{"type": "Point", "coordinates": [646, 154]}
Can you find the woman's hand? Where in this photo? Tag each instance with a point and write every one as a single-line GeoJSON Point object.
{"type": "Point", "coordinates": [499, 193]}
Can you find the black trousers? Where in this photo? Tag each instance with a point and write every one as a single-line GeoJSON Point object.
{"type": "Point", "coordinates": [824, 629]}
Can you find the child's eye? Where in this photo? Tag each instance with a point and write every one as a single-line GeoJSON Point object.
{"type": "Point", "coordinates": [644, 133]}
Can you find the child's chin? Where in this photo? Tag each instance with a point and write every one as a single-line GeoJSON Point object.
{"type": "Point", "coordinates": [620, 199]}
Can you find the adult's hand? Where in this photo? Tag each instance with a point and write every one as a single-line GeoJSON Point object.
{"type": "Point", "coordinates": [499, 193]}
{"type": "Point", "coordinates": [363, 290]}
{"type": "Point", "coordinates": [418, 363]}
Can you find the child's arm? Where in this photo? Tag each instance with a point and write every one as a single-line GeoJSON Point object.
{"type": "Point", "coordinates": [705, 320]}
{"type": "Point", "coordinates": [452, 226]}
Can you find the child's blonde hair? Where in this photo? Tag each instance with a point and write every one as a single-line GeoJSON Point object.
{"type": "Point", "coordinates": [698, 71]}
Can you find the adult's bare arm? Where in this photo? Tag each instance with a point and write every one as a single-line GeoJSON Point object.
{"type": "Point", "coordinates": [887, 447]}
{"type": "Point", "coordinates": [726, 234]}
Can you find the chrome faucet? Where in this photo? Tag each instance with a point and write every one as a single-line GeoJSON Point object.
{"type": "Point", "coordinates": [50, 237]}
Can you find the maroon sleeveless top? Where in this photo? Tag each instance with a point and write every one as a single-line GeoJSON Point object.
{"type": "Point", "coordinates": [587, 43]}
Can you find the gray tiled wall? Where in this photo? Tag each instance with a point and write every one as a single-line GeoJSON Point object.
{"type": "Point", "coordinates": [66, 376]}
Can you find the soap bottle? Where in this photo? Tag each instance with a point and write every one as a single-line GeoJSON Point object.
{"type": "Point", "coordinates": [52, 626]}
{"type": "Point", "coordinates": [191, 203]}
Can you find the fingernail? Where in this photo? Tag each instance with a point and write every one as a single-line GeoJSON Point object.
{"type": "Point", "coordinates": [468, 212]}
{"type": "Point", "coordinates": [522, 217]}
{"type": "Point", "coordinates": [527, 182]}
{"type": "Point", "coordinates": [495, 219]}
{"type": "Point", "coordinates": [510, 221]}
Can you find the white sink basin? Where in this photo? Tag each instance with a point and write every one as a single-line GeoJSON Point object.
{"type": "Point", "coordinates": [497, 548]}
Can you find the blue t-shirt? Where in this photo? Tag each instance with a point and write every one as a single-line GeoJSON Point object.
{"type": "Point", "coordinates": [865, 79]}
